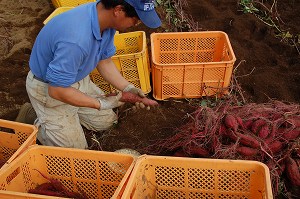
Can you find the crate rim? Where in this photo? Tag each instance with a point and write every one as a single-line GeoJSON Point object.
{"type": "Point", "coordinates": [133, 54]}
{"type": "Point", "coordinates": [43, 147]}
{"type": "Point", "coordinates": [37, 147]}
{"type": "Point", "coordinates": [188, 33]}
{"type": "Point", "coordinates": [145, 156]}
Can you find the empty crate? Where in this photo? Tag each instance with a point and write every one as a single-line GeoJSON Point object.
{"type": "Point", "coordinates": [193, 178]}
{"type": "Point", "coordinates": [191, 64]}
{"type": "Point", "coordinates": [98, 174]}
{"type": "Point", "coordinates": [131, 59]}
{"type": "Point", "coordinates": [15, 137]}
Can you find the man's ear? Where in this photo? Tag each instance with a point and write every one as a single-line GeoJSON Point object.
{"type": "Point", "coordinates": [118, 10]}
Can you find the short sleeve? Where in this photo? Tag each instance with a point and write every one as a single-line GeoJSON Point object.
{"type": "Point", "coordinates": [63, 69]}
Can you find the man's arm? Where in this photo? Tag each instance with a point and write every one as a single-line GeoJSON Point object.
{"type": "Point", "coordinates": [111, 74]}
{"type": "Point", "coordinates": [73, 97]}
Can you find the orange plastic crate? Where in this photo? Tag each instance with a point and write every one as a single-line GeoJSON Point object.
{"type": "Point", "coordinates": [15, 138]}
{"type": "Point", "coordinates": [191, 64]}
{"type": "Point", "coordinates": [99, 174]}
{"type": "Point", "coordinates": [193, 178]}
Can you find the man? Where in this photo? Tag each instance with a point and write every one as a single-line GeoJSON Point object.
{"type": "Point", "coordinates": [66, 50]}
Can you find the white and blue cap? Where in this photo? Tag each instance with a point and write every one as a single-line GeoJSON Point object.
{"type": "Point", "coordinates": [146, 12]}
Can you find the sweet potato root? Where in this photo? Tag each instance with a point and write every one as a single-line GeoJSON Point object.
{"type": "Point", "coordinates": [132, 98]}
{"type": "Point", "coordinates": [293, 172]}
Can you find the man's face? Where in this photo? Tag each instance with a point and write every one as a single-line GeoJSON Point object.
{"type": "Point", "coordinates": [123, 22]}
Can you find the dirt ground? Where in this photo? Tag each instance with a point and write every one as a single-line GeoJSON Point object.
{"type": "Point", "coordinates": [268, 68]}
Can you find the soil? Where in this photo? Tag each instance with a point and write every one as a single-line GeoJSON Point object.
{"type": "Point", "coordinates": [267, 66]}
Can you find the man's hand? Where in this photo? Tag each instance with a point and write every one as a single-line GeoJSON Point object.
{"type": "Point", "coordinates": [110, 102]}
{"type": "Point", "coordinates": [131, 88]}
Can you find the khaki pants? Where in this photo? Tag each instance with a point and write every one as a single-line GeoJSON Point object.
{"type": "Point", "coordinates": [60, 123]}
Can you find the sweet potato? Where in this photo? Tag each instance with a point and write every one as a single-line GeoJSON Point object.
{"type": "Point", "coordinates": [231, 122]}
{"type": "Point", "coordinates": [180, 153]}
{"type": "Point", "coordinates": [246, 151]}
{"type": "Point", "coordinates": [231, 135]}
{"type": "Point", "coordinates": [46, 192]}
{"type": "Point", "coordinates": [293, 172]}
{"type": "Point", "coordinates": [264, 131]}
{"type": "Point", "coordinates": [275, 146]}
{"type": "Point", "coordinates": [132, 98]}
{"type": "Point", "coordinates": [199, 151]}
{"type": "Point", "coordinates": [248, 124]}
{"type": "Point", "coordinates": [291, 135]}
{"type": "Point", "coordinates": [45, 186]}
{"type": "Point", "coordinates": [222, 129]}
{"type": "Point", "coordinates": [58, 189]}
{"type": "Point", "coordinates": [240, 122]}
{"type": "Point", "coordinates": [294, 121]}
{"type": "Point", "coordinates": [248, 140]}
{"type": "Point", "coordinates": [55, 183]}
{"type": "Point", "coordinates": [257, 124]}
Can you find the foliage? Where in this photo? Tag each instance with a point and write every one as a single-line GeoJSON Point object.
{"type": "Point", "coordinates": [248, 6]}
{"type": "Point", "coordinates": [271, 17]}
{"type": "Point", "coordinates": [178, 21]}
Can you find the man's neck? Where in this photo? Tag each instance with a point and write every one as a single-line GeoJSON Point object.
{"type": "Point", "coordinates": [105, 17]}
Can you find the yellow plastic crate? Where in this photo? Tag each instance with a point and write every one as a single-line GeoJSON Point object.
{"type": "Point", "coordinates": [193, 178]}
{"type": "Point", "coordinates": [57, 11]}
{"type": "Point", "coordinates": [131, 59]}
{"type": "Point", "coordinates": [98, 174]}
{"type": "Point", "coordinates": [69, 3]}
{"type": "Point", "coordinates": [191, 64]}
{"type": "Point", "coordinates": [15, 138]}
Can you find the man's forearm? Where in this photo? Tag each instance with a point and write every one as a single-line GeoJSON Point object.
{"type": "Point", "coordinates": [73, 97]}
{"type": "Point", "coordinates": [111, 74]}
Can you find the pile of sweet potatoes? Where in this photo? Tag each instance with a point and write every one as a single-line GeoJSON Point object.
{"type": "Point", "coordinates": [269, 133]}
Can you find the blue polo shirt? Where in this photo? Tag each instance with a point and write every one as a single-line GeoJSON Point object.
{"type": "Point", "coordinates": [70, 45]}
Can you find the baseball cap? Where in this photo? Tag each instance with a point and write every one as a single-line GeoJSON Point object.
{"type": "Point", "coordinates": [146, 12]}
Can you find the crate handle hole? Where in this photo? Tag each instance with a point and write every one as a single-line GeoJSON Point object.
{"type": "Point", "coordinates": [13, 175]}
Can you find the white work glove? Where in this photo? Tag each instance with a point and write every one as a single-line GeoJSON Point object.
{"type": "Point", "coordinates": [132, 89]}
{"type": "Point", "coordinates": [110, 102]}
